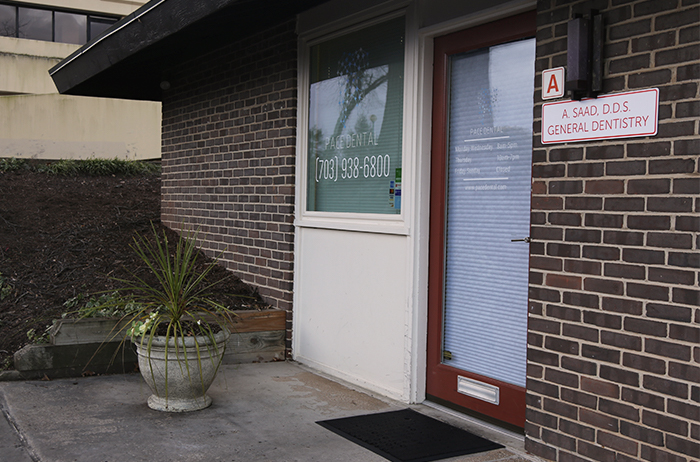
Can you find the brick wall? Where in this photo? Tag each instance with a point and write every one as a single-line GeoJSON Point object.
{"type": "Point", "coordinates": [229, 127]}
{"type": "Point", "coordinates": [614, 333]}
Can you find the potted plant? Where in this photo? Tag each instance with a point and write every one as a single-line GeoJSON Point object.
{"type": "Point", "coordinates": [180, 333]}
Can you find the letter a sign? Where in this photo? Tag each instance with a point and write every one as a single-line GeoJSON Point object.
{"type": "Point", "coordinates": [553, 83]}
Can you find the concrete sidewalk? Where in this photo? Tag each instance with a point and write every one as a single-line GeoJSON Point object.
{"type": "Point", "coordinates": [261, 412]}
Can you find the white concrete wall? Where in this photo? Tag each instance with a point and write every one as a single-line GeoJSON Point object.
{"type": "Point", "coordinates": [25, 64]}
{"type": "Point", "coordinates": [36, 122]}
{"type": "Point", "coordinates": [73, 127]}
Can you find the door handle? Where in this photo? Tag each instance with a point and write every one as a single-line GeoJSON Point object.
{"type": "Point", "coordinates": [527, 239]}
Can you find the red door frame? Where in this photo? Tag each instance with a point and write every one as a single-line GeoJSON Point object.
{"type": "Point", "coordinates": [442, 379]}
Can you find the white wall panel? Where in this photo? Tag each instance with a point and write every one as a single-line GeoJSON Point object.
{"type": "Point", "coordinates": [350, 307]}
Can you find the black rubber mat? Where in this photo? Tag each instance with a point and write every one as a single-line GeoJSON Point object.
{"type": "Point", "coordinates": [408, 436]}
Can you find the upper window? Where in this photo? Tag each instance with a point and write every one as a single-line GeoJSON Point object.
{"type": "Point", "coordinates": [51, 26]}
{"type": "Point", "coordinates": [355, 121]}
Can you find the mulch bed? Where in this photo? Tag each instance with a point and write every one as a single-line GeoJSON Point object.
{"type": "Point", "coordinates": [64, 236]}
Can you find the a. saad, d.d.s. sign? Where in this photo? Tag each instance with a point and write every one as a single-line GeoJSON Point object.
{"type": "Point", "coordinates": [621, 115]}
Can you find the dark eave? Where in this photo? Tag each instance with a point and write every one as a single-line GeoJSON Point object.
{"type": "Point", "coordinates": [132, 58]}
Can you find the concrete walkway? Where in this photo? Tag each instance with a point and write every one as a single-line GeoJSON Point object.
{"type": "Point", "coordinates": [261, 412]}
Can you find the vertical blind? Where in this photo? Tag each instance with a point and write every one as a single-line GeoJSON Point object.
{"type": "Point", "coordinates": [488, 206]}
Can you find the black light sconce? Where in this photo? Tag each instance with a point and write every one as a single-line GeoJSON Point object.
{"type": "Point", "coordinates": [584, 57]}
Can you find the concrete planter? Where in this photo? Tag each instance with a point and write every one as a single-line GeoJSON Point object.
{"type": "Point", "coordinates": [180, 373]}
{"type": "Point", "coordinates": [88, 346]}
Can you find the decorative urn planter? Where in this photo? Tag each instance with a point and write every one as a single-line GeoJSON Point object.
{"type": "Point", "coordinates": [179, 374]}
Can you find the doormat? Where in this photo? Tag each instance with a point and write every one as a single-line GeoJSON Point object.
{"type": "Point", "coordinates": [408, 436]}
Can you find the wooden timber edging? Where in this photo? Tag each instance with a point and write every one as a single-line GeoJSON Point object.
{"type": "Point", "coordinates": [77, 345]}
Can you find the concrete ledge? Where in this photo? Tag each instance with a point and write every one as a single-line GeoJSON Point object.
{"type": "Point", "coordinates": [90, 346]}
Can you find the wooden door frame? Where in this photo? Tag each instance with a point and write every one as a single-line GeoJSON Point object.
{"type": "Point", "coordinates": [439, 377]}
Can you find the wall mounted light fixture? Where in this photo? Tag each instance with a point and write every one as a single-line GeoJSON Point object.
{"type": "Point", "coordinates": [584, 57]}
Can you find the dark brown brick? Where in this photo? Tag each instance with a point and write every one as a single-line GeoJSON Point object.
{"type": "Point", "coordinates": [624, 204]}
{"type": "Point", "coordinates": [580, 332]}
{"type": "Point", "coordinates": [539, 449]}
{"type": "Point", "coordinates": [622, 305]}
{"type": "Point", "coordinates": [688, 260]}
{"type": "Point", "coordinates": [580, 299]}
{"type": "Point", "coordinates": [654, 454]}
{"type": "Point", "coordinates": [575, 429]}
{"type": "Point", "coordinates": [687, 186]}
{"type": "Point", "coordinates": [678, 204]}
{"type": "Point", "coordinates": [677, 19]}
{"type": "Point", "coordinates": [578, 365]}
{"type": "Point", "coordinates": [686, 296]}
{"type": "Point", "coordinates": [544, 325]}
{"type": "Point", "coordinates": [561, 345]}
{"type": "Point", "coordinates": [599, 220]}
{"type": "Point", "coordinates": [670, 312]}
{"type": "Point", "coordinates": [667, 349]}
{"type": "Point", "coordinates": [644, 399]}
{"type": "Point", "coordinates": [622, 376]}
{"type": "Point", "coordinates": [580, 398]}
{"type": "Point", "coordinates": [604, 187]}
{"type": "Point", "coordinates": [688, 411]}
{"type": "Point", "coordinates": [629, 29]}
{"type": "Point", "coordinates": [607, 286]}
{"type": "Point", "coordinates": [643, 256]}
{"type": "Point", "coordinates": [650, 78]}
{"type": "Point", "coordinates": [685, 333]}
{"type": "Point", "coordinates": [546, 295]}
{"type": "Point", "coordinates": [586, 170]}
{"type": "Point", "coordinates": [617, 443]}
{"type": "Point", "coordinates": [623, 238]}
{"type": "Point", "coordinates": [649, 186]}
{"type": "Point", "coordinates": [670, 240]}
{"type": "Point", "coordinates": [625, 168]}
{"type": "Point", "coordinates": [667, 130]}
{"type": "Point", "coordinates": [649, 222]}
{"type": "Point", "coordinates": [605, 152]}
{"type": "Point", "coordinates": [549, 171]}
{"type": "Point", "coordinates": [644, 363]}
{"type": "Point", "coordinates": [647, 291]}
{"type": "Point", "coordinates": [654, 6]}
{"type": "Point", "coordinates": [563, 250]}
{"type": "Point", "coordinates": [558, 440]}
{"type": "Point", "coordinates": [582, 235]}
{"type": "Point", "coordinates": [582, 266]}
{"type": "Point", "coordinates": [671, 276]}
{"type": "Point", "coordinates": [562, 312]}
{"type": "Point", "coordinates": [545, 263]}
{"type": "Point", "coordinates": [600, 387]}
{"type": "Point", "coordinates": [600, 354]}
{"type": "Point", "coordinates": [542, 357]}
{"type": "Point", "coordinates": [546, 233]}
{"type": "Point", "coordinates": [624, 271]}
{"type": "Point", "coordinates": [562, 378]}
{"type": "Point", "coordinates": [665, 423]}
{"type": "Point", "coordinates": [645, 326]}
{"type": "Point", "coordinates": [541, 418]}
{"type": "Point", "coordinates": [601, 252]}
{"type": "Point", "coordinates": [563, 218]}
{"type": "Point", "coordinates": [684, 371]}
{"type": "Point", "coordinates": [583, 203]}
{"type": "Point", "coordinates": [688, 109]}
{"type": "Point", "coordinates": [682, 445]}
{"type": "Point", "coordinates": [639, 433]}
{"type": "Point", "coordinates": [617, 339]}
{"type": "Point", "coordinates": [648, 149]}
{"type": "Point", "coordinates": [689, 72]}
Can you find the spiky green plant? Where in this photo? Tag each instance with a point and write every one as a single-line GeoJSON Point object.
{"type": "Point", "coordinates": [178, 305]}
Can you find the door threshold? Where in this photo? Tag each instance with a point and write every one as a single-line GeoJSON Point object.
{"type": "Point", "coordinates": [513, 440]}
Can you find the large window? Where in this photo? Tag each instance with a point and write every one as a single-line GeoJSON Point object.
{"type": "Point", "coordinates": [355, 121]}
{"type": "Point", "coordinates": [51, 26]}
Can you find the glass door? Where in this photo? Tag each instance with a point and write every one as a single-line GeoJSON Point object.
{"type": "Point", "coordinates": [481, 188]}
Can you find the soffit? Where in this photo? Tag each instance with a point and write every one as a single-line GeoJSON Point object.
{"type": "Point", "coordinates": [131, 59]}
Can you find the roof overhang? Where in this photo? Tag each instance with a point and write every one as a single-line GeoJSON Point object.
{"type": "Point", "coordinates": [132, 58]}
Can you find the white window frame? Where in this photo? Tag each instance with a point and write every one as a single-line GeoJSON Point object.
{"type": "Point", "coordinates": [362, 222]}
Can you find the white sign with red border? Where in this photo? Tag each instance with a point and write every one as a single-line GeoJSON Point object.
{"type": "Point", "coordinates": [621, 115]}
{"type": "Point", "coordinates": [553, 83]}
